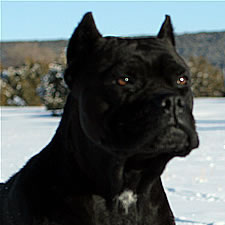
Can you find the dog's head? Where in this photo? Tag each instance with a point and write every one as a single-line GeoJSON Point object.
{"type": "Point", "coordinates": [133, 94]}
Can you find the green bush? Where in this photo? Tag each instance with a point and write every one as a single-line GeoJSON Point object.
{"type": "Point", "coordinates": [19, 84]}
{"type": "Point", "coordinates": [207, 80]}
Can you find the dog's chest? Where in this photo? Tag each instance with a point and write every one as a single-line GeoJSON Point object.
{"type": "Point", "coordinates": [123, 210]}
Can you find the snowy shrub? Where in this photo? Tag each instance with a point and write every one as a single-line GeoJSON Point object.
{"type": "Point", "coordinates": [35, 84]}
{"type": "Point", "coordinates": [19, 84]}
{"type": "Point", "coordinates": [52, 89]}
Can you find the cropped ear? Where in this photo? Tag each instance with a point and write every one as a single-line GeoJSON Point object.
{"type": "Point", "coordinates": [83, 38]}
{"type": "Point", "coordinates": [80, 46]}
{"type": "Point", "coordinates": [166, 31]}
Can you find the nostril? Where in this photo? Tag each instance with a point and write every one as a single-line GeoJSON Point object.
{"type": "Point", "coordinates": [180, 102]}
{"type": "Point", "coordinates": [166, 103]}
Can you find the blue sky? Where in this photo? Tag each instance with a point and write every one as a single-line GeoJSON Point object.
{"type": "Point", "coordinates": [41, 20]}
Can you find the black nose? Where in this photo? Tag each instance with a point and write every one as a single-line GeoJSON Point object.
{"type": "Point", "coordinates": [173, 104]}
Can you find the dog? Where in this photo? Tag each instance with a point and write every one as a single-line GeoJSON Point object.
{"type": "Point", "coordinates": [129, 112]}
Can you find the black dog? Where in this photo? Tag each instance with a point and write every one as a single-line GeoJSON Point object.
{"type": "Point", "coordinates": [128, 113]}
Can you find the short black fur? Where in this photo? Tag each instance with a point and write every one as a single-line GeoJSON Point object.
{"type": "Point", "coordinates": [128, 113]}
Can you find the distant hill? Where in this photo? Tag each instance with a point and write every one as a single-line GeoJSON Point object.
{"type": "Point", "coordinates": [16, 53]}
{"type": "Point", "coordinates": [209, 45]}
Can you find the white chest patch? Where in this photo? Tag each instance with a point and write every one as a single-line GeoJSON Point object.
{"type": "Point", "coordinates": [127, 198]}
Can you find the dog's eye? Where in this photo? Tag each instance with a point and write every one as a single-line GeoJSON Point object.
{"type": "Point", "coordinates": [182, 80]}
{"type": "Point", "coordinates": [123, 81]}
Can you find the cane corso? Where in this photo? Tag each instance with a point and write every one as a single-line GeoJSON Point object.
{"type": "Point", "coordinates": [129, 111]}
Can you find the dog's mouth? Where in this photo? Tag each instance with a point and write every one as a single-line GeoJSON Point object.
{"type": "Point", "coordinates": [174, 140]}
{"type": "Point", "coordinates": [170, 142]}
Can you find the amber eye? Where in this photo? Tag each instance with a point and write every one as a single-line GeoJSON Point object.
{"type": "Point", "coordinates": [123, 81]}
{"type": "Point", "coordinates": [183, 80]}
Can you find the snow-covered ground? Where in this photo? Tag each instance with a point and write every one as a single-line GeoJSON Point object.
{"type": "Point", "coordinates": [195, 185]}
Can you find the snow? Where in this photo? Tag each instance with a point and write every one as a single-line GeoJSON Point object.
{"type": "Point", "coordinates": [195, 185]}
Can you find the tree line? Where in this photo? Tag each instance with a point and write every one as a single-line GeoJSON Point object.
{"type": "Point", "coordinates": [36, 76]}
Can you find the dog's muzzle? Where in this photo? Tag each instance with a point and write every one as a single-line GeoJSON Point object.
{"type": "Point", "coordinates": [177, 135]}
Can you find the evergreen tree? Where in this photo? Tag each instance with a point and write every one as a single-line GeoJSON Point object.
{"type": "Point", "coordinates": [53, 90]}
